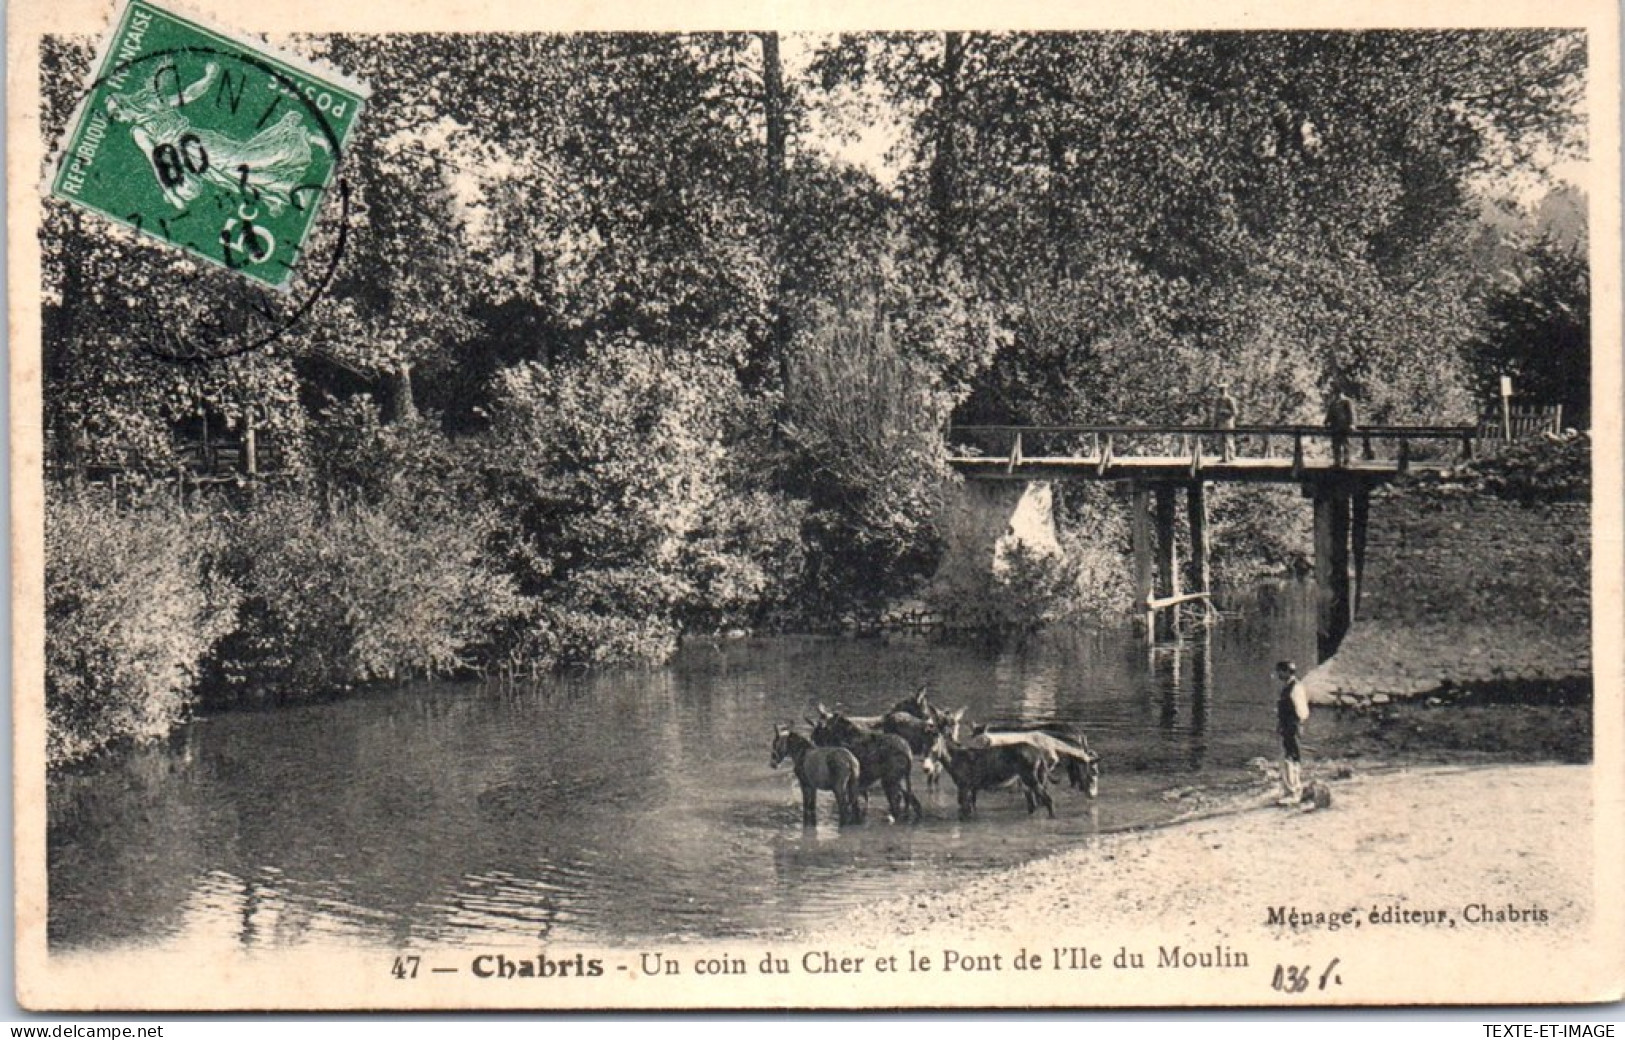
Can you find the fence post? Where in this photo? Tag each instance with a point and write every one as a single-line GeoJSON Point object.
{"type": "Point", "coordinates": [249, 462]}
{"type": "Point", "coordinates": [1015, 454]}
{"type": "Point", "coordinates": [1297, 453]}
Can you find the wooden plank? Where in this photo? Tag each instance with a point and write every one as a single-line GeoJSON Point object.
{"type": "Point", "coordinates": [1174, 601]}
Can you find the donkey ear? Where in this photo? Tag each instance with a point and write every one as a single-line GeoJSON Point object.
{"type": "Point", "coordinates": [958, 714]}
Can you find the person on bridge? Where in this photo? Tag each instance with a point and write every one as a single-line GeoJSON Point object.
{"type": "Point", "coordinates": [1342, 421]}
{"type": "Point", "coordinates": [1291, 713]}
{"type": "Point", "coordinates": [1224, 418]}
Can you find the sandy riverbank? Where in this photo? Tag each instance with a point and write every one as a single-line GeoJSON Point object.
{"type": "Point", "coordinates": [1500, 836]}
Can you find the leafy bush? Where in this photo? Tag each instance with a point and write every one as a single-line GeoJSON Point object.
{"type": "Point", "coordinates": [1256, 529]}
{"type": "Point", "coordinates": [1543, 469]}
{"type": "Point", "coordinates": [409, 460]}
{"type": "Point", "coordinates": [132, 607]}
{"type": "Point", "coordinates": [1548, 468]}
{"type": "Point", "coordinates": [1029, 588]}
{"type": "Point", "coordinates": [634, 515]}
{"type": "Point", "coordinates": [866, 424]}
{"type": "Point", "coordinates": [357, 592]}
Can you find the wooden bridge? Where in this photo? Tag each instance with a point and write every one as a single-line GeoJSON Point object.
{"type": "Point", "coordinates": [1155, 463]}
{"type": "Point", "coordinates": [1279, 454]}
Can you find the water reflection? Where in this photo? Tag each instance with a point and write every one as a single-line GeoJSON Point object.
{"type": "Point", "coordinates": [620, 805]}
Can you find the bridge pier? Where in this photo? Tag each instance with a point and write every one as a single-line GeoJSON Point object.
{"type": "Point", "coordinates": [1140, 535]}
{"type": "Point", "coordinates": [1153, 510]}
{"type": "Point", "coordinates": [1196, 518]}
{"type": "Point", "coordinates": [1167, 553]}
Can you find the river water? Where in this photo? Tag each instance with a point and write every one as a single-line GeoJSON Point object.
{"type": "Point", "coordinates": [630, 804]}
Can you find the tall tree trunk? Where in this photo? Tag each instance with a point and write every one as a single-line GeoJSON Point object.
{"type": "Point", "coordinates": [775, 105]}
{"type": "Point", "coordinates": [944, 173]}
{"type": "Point", "coordinates": [400, 405]}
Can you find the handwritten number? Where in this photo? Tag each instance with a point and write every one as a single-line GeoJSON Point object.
{"type": "Point", "coordinates": [1295, 978]}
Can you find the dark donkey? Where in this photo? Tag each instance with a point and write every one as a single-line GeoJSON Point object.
{"type": "Point", "coordinates": [1062, 739]}
{"type": "Point", "coordinates": [883, 758]}
{"type": "Point", "coordinates": [918, 721]}
{"type": "Point", "coordinates": [819, 769]}
{"type": "Point", "coordinates": [977, 769]}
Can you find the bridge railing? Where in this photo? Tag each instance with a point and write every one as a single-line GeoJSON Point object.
{"type": "Point", "coordinates": [1104, 445]}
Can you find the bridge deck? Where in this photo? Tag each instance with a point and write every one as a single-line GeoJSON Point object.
{"type": "Point", "coordinates": [1259, 454]}
{"type": "Point", "coordinates": [1174, 467]}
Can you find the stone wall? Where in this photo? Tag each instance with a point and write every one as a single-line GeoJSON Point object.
{"type": "Point", "coordinates": [1462, 589]}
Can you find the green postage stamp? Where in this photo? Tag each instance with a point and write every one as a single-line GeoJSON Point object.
{"type": "Point", "coordinates": [218, 146]}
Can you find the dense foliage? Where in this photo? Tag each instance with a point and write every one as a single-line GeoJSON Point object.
{"type": "Point", "coordinates": [1537, 329]}
{"type": "Point", "coordinates": [1553, 468]}
{"type": "Point", "coordinates": [133, 607]}
{"type": "Point", "coordinates": [335, 595]}
{"type": "Point", "coordinates": [621, 347]}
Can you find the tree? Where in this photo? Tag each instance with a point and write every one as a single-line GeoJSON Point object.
{"type": "Point", "coordinates": [1537, 329]}
{"type": "Point", "coordinates": [1118, 193]}
{"type": "Point", "coordinates": [631, 516]}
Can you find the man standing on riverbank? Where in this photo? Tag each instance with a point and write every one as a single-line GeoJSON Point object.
{"type": "Point", "coordinates": [1291, 712]}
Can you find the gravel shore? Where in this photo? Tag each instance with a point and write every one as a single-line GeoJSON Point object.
{"type": "Point", "coordinates": [1497, 836]}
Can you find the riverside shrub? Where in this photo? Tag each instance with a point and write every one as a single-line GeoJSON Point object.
{"type": "Point", "coordinates": [865, 422]}
{"type": "Point", "coordinates": [351, 592]}
{"type": "Point", "coordinates": [622, 479]}
{"type": "Point", "coordinates": [133, 605]}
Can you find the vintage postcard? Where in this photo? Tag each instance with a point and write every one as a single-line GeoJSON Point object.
{"type": "Point", "coordinates": [815, 506]}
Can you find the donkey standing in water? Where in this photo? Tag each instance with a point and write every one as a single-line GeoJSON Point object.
{"type": "Point", "coordinates": [819, 769]}
{"type": "Point", "coordinates": [884, 757]}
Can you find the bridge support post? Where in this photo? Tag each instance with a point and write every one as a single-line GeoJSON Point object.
{"type": "Point", "coordinates": [1331, 566]}
{"type": "Point", "coordinates": [1359, 524]}
{"type": "Point", "coordinates": [1167, 554]}
{"type": "Point", "coordinates": [1140, 533]}
{"type": "Point", "coordinates": [1196, 517]}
